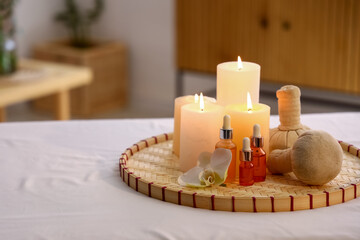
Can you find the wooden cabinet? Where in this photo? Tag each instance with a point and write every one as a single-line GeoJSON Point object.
{"type": "Point", "coordinates": [108, 62]}
{"type": "Point", "coordinates": [303, 42]}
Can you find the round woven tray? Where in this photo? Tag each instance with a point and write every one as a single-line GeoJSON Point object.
{"type": "Point", "coordinates": [150, 167]}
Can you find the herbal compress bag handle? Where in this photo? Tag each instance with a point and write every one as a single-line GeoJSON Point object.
{"type": "Point", "coordinates": [290, 128]}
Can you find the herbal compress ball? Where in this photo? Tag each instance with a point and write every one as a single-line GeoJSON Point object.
{"type": "Point", "coordinates": [315, 158]}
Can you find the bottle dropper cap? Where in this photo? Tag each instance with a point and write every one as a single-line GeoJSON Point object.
{"type": "Point", "coordinates": [256, 131]}
{"type": "Point", "coordinates": [257, 140]}
{"type": "Point", "coordinates": [246, 150]}
{"type": "Point", "coordinates": [226, 132]}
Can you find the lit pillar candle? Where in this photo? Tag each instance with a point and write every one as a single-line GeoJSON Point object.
{"type": "Point", "coordinates": [244, 117]}
{"type": "Point", "coordinates": [235, 79]}
{"type": "Point", "coordinates": [199, 131]}
{"type": "Point", "coordinates": [179, 102]}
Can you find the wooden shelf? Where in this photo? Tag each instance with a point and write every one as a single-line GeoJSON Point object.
{"type": "Point", "coordinates": [107, 60]}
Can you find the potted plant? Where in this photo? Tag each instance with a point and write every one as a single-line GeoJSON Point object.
{"type": "Point", "coordinates": [107, 59]}
{"type": "Point", "coordinates": [79, 22]}
{"type": "Point", "coordinates": [7, 42]}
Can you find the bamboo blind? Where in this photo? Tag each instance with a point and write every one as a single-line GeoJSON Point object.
{"type": "Point", "coordinates": [302, 42]}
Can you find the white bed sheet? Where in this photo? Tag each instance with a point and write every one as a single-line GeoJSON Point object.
{"type": "Point", "coordinates": [60, 180]}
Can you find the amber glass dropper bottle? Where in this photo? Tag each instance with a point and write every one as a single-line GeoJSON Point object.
{"type": "Point", "coordinates": [246, 168]}
{"type": "Point", "coordinates": [259, 155]}
{"type": "Point", "coordinates": [226, 135]}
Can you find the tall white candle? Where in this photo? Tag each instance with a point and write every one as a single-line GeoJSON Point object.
{"type": "Point", "coordinates": [179, 102]}
{"type": "Point", "coordinates": [234, 80]}
{"type": "Point", "coordinates": [199, 132]}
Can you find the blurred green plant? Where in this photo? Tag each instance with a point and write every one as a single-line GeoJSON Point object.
{"type": "Point", "coordinates": [7, 42]}
{"type": "Point", "coordinates": [79, 22]}
{"type": "Point", "coordinates": [6, 9]}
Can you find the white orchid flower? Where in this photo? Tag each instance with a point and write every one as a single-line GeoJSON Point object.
{"type": "Point", "coordinates": [211, 169]}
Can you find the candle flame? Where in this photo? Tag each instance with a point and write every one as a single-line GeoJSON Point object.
{"type": "Point", "coordinates": [249, 103]}
{"type": "Point", "coordinates": [240, 64]}
{"type": "Point", "coordinates": [196, 98]}
{"type": "Point", "coordinates": [201, 102]}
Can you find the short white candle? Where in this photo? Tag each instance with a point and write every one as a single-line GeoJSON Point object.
{"type": "Point", "coordinates": [199, 132]}
{"type": "Point", "coordinates": [179, 102]}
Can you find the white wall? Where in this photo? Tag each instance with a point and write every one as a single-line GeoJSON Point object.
{"type": "Point", "coordinates": [35, 23]}
{"type": "Point", "coordinates": [147, 27]}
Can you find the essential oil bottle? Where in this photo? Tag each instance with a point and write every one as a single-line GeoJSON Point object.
{"type": "Point", "coordinates": [258, 155]}
{"type": "Point", "coordinates": [226, 135]}
{"type": "Point", "coordinates": [246, 168]}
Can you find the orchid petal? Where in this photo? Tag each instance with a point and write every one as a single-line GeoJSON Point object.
{"type": "Point", "coordinates": [191, 178]}
{"type": "Point", "coordinates": [204, 159]}
{"type": "Point", "coordinates": [219, 163]}
{"type": "Point", "coordinates": [211, 169]}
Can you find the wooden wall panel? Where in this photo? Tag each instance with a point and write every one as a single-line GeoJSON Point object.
{"type": "Point", "coordinates": [302, 42]}
{"type": "Point", "coordinates": [213, 31]}
{"type": "Point", "coordinates": [353, 83]}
